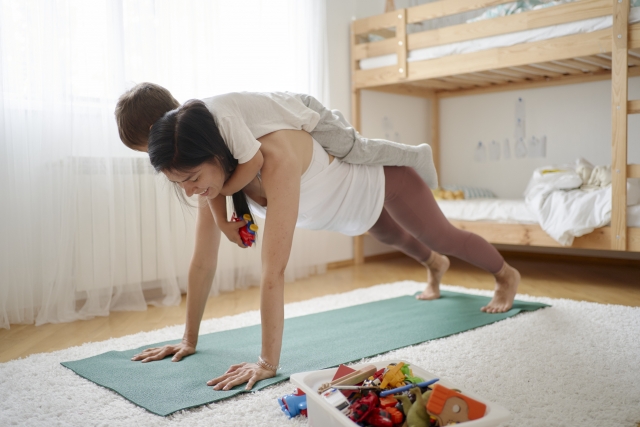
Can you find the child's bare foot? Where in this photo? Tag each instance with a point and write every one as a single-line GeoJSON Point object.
{"type": "Point", "coordinates": [436, 265]}
{"type": "Point", "coordinates": [507, 281]}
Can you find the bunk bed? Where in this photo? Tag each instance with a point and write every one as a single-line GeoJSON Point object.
{"type": "Point", "coordinates": [571, 42]}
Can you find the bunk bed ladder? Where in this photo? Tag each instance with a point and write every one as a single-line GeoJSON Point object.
{"type": "Point", "coordinates": [621, 108]}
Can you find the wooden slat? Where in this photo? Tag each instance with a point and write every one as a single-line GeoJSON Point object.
{"type": "Point", "coordinates": [462, 82]}
{"type": "Point", "coordinates": [368, 50]}
{"type": "Point", "coordinates": [541, 82]}
{"type": "Point", "coordinates": [438, 9]}
{"type": "Point", "coordinates": [584, 9]}
{"type": "Point", "coordinates": [376, 77]}
{"type": "Point", "coordinates": [619, 97]}
{"type": "Point", "coordinates": [633, 107]}
{"type": "Point", "coordinates": [558, 68]}
{"type": "Point", "coordinates": [632, 60]}
{"type": "Point", "coordinates": [525, 234]}
{"type": "Point", "coordinates": [602, 62]}
{"type": "Point", "coordinates": [492, 77]}
{"type": "Point", "coordinates": [502, 77]}
{"type": "Point", "coordinates": [533, 235]}
{"type": "Point", "coordinates": [436, 84]}
{"type": "Point", "coordinates": [515, 73]}
{"type": "Point", "coordinates": [475, 79]}
{"type": "Point", "coordinates": [408, 89]}
{"type": "Point", "coordinates": [633, 171]}
{"type": "Point", "coordinates": [579, 65]}
{"type": "Point", "coordinates": [513, 56]}
{"type": "Point", "coordinates": [536, 71]}
{"type": "Point", "coordinates": [377, 22]}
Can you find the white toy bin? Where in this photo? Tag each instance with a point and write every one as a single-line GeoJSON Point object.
{"type": "Point", "coordinates": [321, 414]}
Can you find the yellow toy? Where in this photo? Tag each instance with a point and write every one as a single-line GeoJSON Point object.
{"type": "Point", "coordinates": [442, 194]}
{"type": "Point", "coordinates": [394, 377]}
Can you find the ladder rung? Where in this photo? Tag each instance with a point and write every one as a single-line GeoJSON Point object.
{"type": "Point", "coordinates": [633, 107]}
{"type": "Point", "coordinates": [633, 171]}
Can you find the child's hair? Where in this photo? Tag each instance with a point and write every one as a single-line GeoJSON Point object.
{"type": "Point", "coordinates": [187, 137]}
{"type": "Point", "coordinates": [139, 108]}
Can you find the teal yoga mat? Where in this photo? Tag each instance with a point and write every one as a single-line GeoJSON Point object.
{"type": "Point", "coordinates": [311, 342]}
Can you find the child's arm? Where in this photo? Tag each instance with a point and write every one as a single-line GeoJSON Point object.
{"type": "Point", "coordinates": [243, 175]}
{"type": "Point", "coordinates": [218, 208]}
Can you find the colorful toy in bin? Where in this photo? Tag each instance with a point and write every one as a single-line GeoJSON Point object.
{"type": "Point", "coordinates": [248, 232]}
{"type": "Point", "coordinates": [449, 406]}
{"type": "Point", "coordinates": [294, 404]}
{"type": "Point", "coordinates": [337, 400]}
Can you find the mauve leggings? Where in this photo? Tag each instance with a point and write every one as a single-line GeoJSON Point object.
{"type": "Point", "coordinates": [412, 222]}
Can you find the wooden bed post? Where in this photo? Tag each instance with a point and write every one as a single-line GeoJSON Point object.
{"type": "Point", "coordinates": [619, 99]}
{"type": "Point", "coordinates": [358, 241]}
{"type": "Point", "coordinates": [435, 131]}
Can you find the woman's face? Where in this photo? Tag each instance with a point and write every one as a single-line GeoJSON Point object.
{"type": "Point", "coordinates": [205, 180]}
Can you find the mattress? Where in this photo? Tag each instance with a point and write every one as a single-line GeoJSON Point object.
{"type": "Point", "coordinates": [506, 211]}
{"type": "Point", "coordinates": [504, 40]}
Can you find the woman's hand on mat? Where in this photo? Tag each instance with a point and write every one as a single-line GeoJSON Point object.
{"type": "Point", "coordinates": [158, 353]}
{"type": "Point", "coordinates": [245, 372]}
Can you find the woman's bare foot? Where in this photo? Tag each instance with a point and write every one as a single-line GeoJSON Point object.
{"type": "Point", "coordinates": [436, 265]}
{"type": "Point", "coordinates": [507, 281]}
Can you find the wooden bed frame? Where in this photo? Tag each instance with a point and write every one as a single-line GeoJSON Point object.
{"type": "Point", "coordinates": [605, 54]}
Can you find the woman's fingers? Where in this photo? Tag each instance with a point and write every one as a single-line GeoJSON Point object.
{"type": "Point", "coordinates": [145, 353]}
{"type": "Point", "coordinates": [233, 381]}
{"type": "Point", "coordinates": [179, 355]}
{"type": "Point", "coordinates": [152, 354]}
{"type": "Point", "coordinates": [252, 381]}
{"type": "Point", "coordinates": [238, 374]}
{"type": "Point", "coordinates": [234, 368]}
{"type": "Point", "coordinates": [161, 354]}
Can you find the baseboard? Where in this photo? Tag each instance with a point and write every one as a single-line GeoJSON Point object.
{"type": "Point", "coordinates": [513, 254]}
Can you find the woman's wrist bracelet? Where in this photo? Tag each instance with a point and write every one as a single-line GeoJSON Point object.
{"type": "Point", "coordinates": [265, 365]}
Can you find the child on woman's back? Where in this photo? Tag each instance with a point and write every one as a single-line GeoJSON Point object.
{"type": "Point", "coordinates": [243, 117]}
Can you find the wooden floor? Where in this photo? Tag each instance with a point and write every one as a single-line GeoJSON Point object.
{"type": "Point", "coordinates": [578, 279]}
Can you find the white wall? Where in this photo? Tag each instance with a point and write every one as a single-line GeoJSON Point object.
{"type": "Point", "coordinates": [576, 120]}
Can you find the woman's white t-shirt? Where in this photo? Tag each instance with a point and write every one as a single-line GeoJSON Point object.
{"type": "Point", "coordinates": [337, 196]}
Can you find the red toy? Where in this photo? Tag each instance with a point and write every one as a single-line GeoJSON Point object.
{"type": "Point", "coordinates": [362, 407]}
{"type": "Point", "coordinates": [379, 418]}
{"type": "Point", "coordinates": [248, 232]}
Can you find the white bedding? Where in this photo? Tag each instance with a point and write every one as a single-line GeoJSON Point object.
{"type": "Point", "coordinates": [506, 211]}
{"type": "Point", "coordinates": [545, 33]}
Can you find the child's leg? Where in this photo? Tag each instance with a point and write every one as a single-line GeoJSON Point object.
{"type": "Point", "coordinates": [341, 140]}
{"type": "Point", "coordinates": [411, 204]}
{"type": "Point", "coordinates": [390, 232]}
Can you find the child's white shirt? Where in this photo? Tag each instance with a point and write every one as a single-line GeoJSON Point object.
{"type": "Point", "coordinates": [243, 117]}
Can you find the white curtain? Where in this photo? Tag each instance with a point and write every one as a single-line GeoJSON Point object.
{"type": "Point", "coordinates": [86, 227]}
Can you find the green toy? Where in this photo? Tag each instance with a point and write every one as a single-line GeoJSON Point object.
{"type": "Point", "coordinates": [416, 413]}
{"type": "Point", "coordinates": [408, 375]}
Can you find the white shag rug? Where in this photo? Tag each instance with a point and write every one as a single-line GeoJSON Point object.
{"type": "Point", "coordinates": [572, 364]}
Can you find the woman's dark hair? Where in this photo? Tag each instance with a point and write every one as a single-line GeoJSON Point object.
{"type": "Point", "coordinates": [187, 137]}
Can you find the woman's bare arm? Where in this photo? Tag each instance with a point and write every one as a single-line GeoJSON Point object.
{"type": "Point", "coordinates": [201, 273]}
{"type": "Point", "coordinates": [281, 183]}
